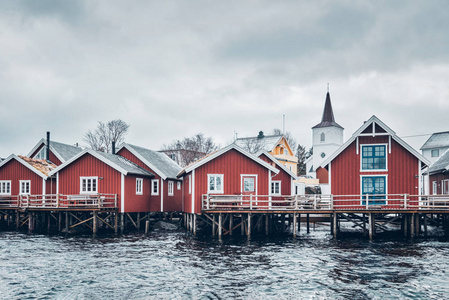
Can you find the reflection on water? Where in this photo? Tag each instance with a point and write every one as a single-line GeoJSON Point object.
{"type": "Point", "coordinates": [180, 266]}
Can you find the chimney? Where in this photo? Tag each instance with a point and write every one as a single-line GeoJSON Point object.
{"type": "Point", "coordinates": [48, 146]}
{"type": "Point", "coordinates": [260, 136]}
{"type": "Point", "coordinates": [113, 147]}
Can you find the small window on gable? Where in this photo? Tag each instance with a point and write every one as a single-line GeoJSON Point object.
{"type": "Point", "coordinates": [5, 187]}
{"type": "Point", "coordinates": [25, 187]}
{"type": "Point", "coordinates": [170, 188]}
{"type": "Point", "coordinates": [435, 153]}
{"type": "Point", "coordinates": [323, 137]}
{"type": "Point", "coordinates": [139, 186]}
{"type": "Point", "coordinates": [41, 154]}
{"type": "Point", "coordinates": [155, 187]}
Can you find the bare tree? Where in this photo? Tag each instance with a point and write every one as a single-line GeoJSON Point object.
{"type": "Point", "coordinates": [101, 139]}
{"type": "Point", "coordinates": [190, 149]}
{"type": "Point", "coordinates": [252, 145]}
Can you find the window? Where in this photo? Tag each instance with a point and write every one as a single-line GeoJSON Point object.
{"type": "Point", "coordinates": [170, 188]}
{"type": "Point", "coordinates": [446, 187]}
{"type": "Point", "coordinates": [178, 185]}
{"type": "Point", "coordinates": [42, 153]}
{"type": "Point", "coordinates": [435, 153]}
{"type": "Point", "coordinates": [25, 187]}
{"type": "Point", "coordinates": [88, 185]}
{"type": "Point", "coordinates": [375, 187]}
{"type": "Point", "coordinates": [374, 157]}
{"type": "Point", "coordinates": [155, 187]}
{"type": "Point", "coordinates": [435, 188]}
{"type": "Point", "coordinates": [139, 186]}
{"type": "Point", "coordinates": [215, 183]}
{"type": "Point", "coordinates": [276, 187]}
{"type": "Point", "coordinates": [285, 151]}
{"type": "Point", "coordinates": [5, 187]}
{"type": "Point", "coordinates": [323, 137]}
{"type": "Point", "coordinates": [249, 184]}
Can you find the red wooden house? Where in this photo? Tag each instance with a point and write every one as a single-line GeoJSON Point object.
{"type": "Point", "coordinates": [21, 175]}
{"type": "Point", "coordinates": [375, 164]}
{"type": "Point", "coordinates": [92, 173]}
{"type": "Point", "coordinates": [439, 175]}
{"type": "Point", "coordinates": [228, 171]}
{"type": "Point", "coordinates": [57, 153]}
{"type": "Point", "coordinates": [283, 182]}
{"type": "Point", "coordinates": [166, 188]}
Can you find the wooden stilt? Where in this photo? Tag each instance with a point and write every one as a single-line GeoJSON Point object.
{"type": "Point", "coordinates": [249, 226]}
{"type": "Point", "coordinates": [213, 225]}
{"type": "Point", "coordinates": [194, 224]}
{"type": "Point", "coordinates": [138, 221]}
{"type": "Point", "coordinates": [220, 225]}
{"type": "Point", "coordinates": [30, 222]}
{"type": "Point", "coordinates": [95, 222]}
{"type": "Point", "coordinates": [405, 218]}
{"type": "Point", "coordinates": [17, 219]}
{"type": "Point", "coordinates": [48, 221]}
{"type": "Point", "coordinates": [294, 225]}
{"type": "Point", "coordinates": [116, 222]}
{"type": "Point", "coordinates": [147, 227]}
{"type": "Point", "coordinates": [425, 224]}
{"type": "Point", "coordinates": [370, 225]}
{"type": "Point", "coordinates": [231, 223]}
{"type": "Point", "coordinates": [412, 226]}
{"type": "Point", "coordinates": [308, 223]}
{"type": "Point", "coordinates": [283, 222]}
{"type": "Point", "coordinates": [334, 224]}
{"type": "Point", "coordinates": [417, 224]}
{"type": "Point", "coordinates": [122, 222]}
{"type": "Point", "coordinates": [242, 225]}
{"type": "Point", "coordinates": [267, 224]}
{"type": "Point", "coordinates": [59, 221]}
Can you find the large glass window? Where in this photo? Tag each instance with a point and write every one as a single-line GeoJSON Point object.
{"type": "Point", "coordinates": [5, 187]}
{"type": "Point", "coordinates": [215, 183]}
{"type": "Point", "coordinates": [374, 157]}
{"type": "Point", "coordinates": [375, 187]}
{"type": "Point", "coordinates": [88, 185]}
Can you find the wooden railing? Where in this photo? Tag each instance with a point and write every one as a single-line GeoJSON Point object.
{"type": "Point", "coordinates": [60, 201]}
{"type": "Point", "coordinates": [325, 202]}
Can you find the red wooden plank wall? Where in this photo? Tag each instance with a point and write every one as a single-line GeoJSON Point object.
{"type": "Point", "coordinates": [15, 171]}
{"type": "Point", "coordinates": [134, 202]}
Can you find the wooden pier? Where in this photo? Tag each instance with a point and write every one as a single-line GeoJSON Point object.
{"type": "Point", "coordinates": [226, 215]}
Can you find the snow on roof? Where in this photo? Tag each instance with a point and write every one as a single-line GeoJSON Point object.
{"type": "Point", "coordinates": [441, 164]}
{"type": "Point", "coordinates": [159, 162]}
{"type": "Point", "coordinates": [437, 140]}
{"type": "Point", "coordinates": [267, 143]}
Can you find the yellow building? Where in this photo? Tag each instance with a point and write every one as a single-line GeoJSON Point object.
{"type": "Point", "coordinates": [276, 145]}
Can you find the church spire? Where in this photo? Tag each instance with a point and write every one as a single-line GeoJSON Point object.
{"type": "Point", "coordinates": [327, 120]}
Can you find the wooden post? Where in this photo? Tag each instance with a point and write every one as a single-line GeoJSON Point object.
{"type": "Point", "coordinates": [405, 217]}
{"type": "Point", "coordinates": [48, 221]}
{"type": "Point", "coordinates": [95, 222]}
{"type": "Point", "coordinates": [364, 224]}
{"type": "Point", "coordinates": [59, 221]}
{"type": "Point", "coordinates": [299, 223]}
{"type": "Point", "coordinates": [370, 225]}
{"type": "Point", "coordinates": [17, 219]}
{"type": "Point", "coordinates": [231, 223]}
{"type": "Point", "coordinates": [242, 225]}
{"type": "Point", "coordinates": [220, 225]}
{"type": "Point", "coordinates": [194, 224]}
{"type": "Point", "coordinates": [213, 225]}
{"type": "Point", "coordinates": [294, 225]}
{"type": "Point", "coordinates": [138, 221]}
{"type": "Point", "coordinates": [249, 225]}
{"type": "Point", "coordinates": [116, 222]}
{"type": "Point", "coordinates": [412, 226]}
{"type": "Point", "coordinates": [267, 224]}
{"type": "Point", "coordinates": [122, 222]}
{"type": "Point", "coordinates": [308, 223]}
{"type": "Point", "coordinates": [334, 224]}
{"type": "Point", "coordinates": [147, 227]}
{"type": "Point", "coordinates": [418, 224]}
{"type": "Point", "coordinates": [282, 222]}
{"type": "Point", "coordinates": [66, 222]}
{"type": "Point", "coordinates": [425, 224]}
{"type": "Point", "coordinates": [30, 222]}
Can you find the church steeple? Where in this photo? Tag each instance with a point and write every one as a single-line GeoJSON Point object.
{"type": "Point", "coordinates": [327, 120]}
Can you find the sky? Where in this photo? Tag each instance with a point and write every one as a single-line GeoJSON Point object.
{"type": "Point", "coordinates": [171, 69]}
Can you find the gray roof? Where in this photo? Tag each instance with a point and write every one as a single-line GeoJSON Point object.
{"type": "Point", "coordinates": [158, 160]}
{"type": "Point", "coordinates": [437, 140]}
{"type": "Point", "coordinates": [255, 144]}
{"type": "Point", "coordinates": [328, 119]}
{"type": "Point", "coordinates": [127, 165]}
{"type": "Point", "coordinates": [441, 164]}
{"type": "Point", "coordinates": [64, 150]}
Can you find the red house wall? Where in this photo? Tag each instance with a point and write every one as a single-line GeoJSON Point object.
{"type": "Point", "coordinates": [401, 164]}
{"type": "Point", "coordinates": [322, 175]}
{"type": "Point", "coordinates": [87, 165]}
{"type": "Point", "coordinates": [134, 202]}
{"type": "Point", "coordinates": [187, 197]}
{"type": "Point", "coordinates": [438, 178]}
{"type": "Point", "coordinates": [284, 177]}
{"type": "Point", "coordinates": [15, 171]}
{"type": "Point", "coordinates": [53, 157]}
{"type": "Point", "coordinates": [171, 203]}
{"type": "Point", "coordinates": [231, 164]}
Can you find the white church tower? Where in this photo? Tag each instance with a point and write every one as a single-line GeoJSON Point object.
{"type": "Point", "coordinates": [327, 137]}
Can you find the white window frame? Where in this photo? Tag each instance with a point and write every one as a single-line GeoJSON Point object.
{"type": "Point", "coordinates": [92, 179]}
{"type": "Point", "coordinates": [377, 175]}
{"type": "Point", "coordinates": [255, 182]}
{"type": "Point", "coordinates": [273, 183]}
{"type": "Point", "coordinates": [178, 185]}
{"type": "Point", "coordinates": [171, 188]}
{"type": "Point", "coordinates": [5, 187]}
{"type": "Point", "coordinates": [139, 186]}
{"type": "Point", "coordinates": [21, 185]}
{"type": "Point", "coordinates": [155, 183]}
{"type": "Point", "coordinates": [215, 176]}
{"type": "Point", "coordinates": [437, 152]}
{"type": "Point", "coordinates": [374, 170]}
{"type": "Point", "coordinates": [42, 154]}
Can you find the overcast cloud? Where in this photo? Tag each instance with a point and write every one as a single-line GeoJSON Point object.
{"type": "Point", "coordinates": [174, 68]}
